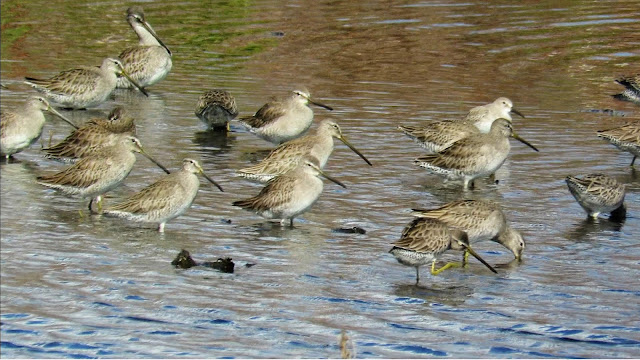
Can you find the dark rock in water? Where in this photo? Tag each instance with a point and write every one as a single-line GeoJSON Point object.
{"type": "Point", "coordinates": [350, 230]}
{"type": "Point", "coordinates": [224, 265]}
{"type": "Point", "coordinates": [185, 261]}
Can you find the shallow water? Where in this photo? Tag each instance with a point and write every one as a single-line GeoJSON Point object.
{"type": "Point", "coordinates": [87, 286]}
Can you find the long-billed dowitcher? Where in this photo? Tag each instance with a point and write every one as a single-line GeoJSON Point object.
{"type": "Point", "coordinates": [283, 119]}
{"type": "Point", "coordinates": [481, 220]}
{"type": "Point", "coordinates": [423, 240]}
{"type": "Point", "coordinates": [23, 126]}
{"type": "Point", "coordinates": [92, 176]}
{"type": "Point", "coordinates": [289, 194]}
{"type": "Point", "coordinates": [598, 193]}
{"type": "Point", "coordinates": [84, 87]}
{"type": "Point", "coordinates": [474, 156]}
{"type": "Point", "coordinates": [93, 136]}
{"type": "Point", "coordinates": [150, 60]}
{"type": "Point", "coordinates": [165, 199]}
{"type": "Point", "coordinates": [439, 135]}
{"type": "Point", "coordinates": [625, 138]}
{"type": "Point", "coordinates": [632, 89]}
{"type": "Point", "coordinates": [216, 108]}
{"type": "Point", "coordinates": [287, 155]}
{"type": "Point", "coordinates": [484, 115]}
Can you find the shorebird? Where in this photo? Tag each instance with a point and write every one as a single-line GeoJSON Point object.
{"type": "Point", "coordinates": [150, 60]}
{"type": "Point", "coordinates": [631, 92]}
{"type": "Point", "coordinates": [165, 199]}
{"type": "Point", "coordinates": [475, 156]}
{"type": "Point", "coordinates": [287, 155]}
{"type": "Point", "coordinates": [84, 87]}
{"type": "Point", "coordinates": [625, 138]}
{"type": "Point", "coordinates": [439, 135]}
{"type": "Point", "coordinates": [93, 136]}
{"type": "Point", "coordinates": [423, 240]}
{"type": "Point", "coordinates": [216, 108]}
{"type": "Point", "coordinates": [283, 119]}
{"type": "Point", "coordinates": [481, 220]}
{"type": "Point", "coordinates": [22, 127]}
{"type": "Point", "coordinates": [92, 176]}
{"type": "Point", "coordinates": [289, 194]}
{"type": "Point", "coordinates": [598, 193]}
{"type": "Point", "coordinates": [484, 115]}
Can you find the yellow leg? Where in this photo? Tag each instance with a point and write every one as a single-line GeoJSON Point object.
{"type": "Point", "coordinates": [465, 258]}
{"type": "Point", "coordinates": [445, 267]}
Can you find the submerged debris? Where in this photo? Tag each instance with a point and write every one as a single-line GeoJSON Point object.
{"type": "Point", "coordinates": [609, 112]}
{"type": "Point", "coordinates": [350, 230]}
{"type": "Point", "coordinates": [185, 261]}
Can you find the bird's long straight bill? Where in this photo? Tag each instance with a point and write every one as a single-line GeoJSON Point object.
{"type": "Point", "coordinates": [153, 33]}
{"type": "Point", "coordinates": [475, 255]}
{"type": "Point", "coordinates": [321, 105]}
{"type": "Point", "coordinates": [56, 113]}
{"type": "Point", "coordinates": [155, 162]}
{"type": "Point", "coordinates": [354, 150]}
{"type": "Point", "coordinates": [211, 180]}
{"type": "Point", "coordinates": [513, 110]}
{"type": "Point", "coordinates": [517, 137]}
{"type": "Point", "coordinates": [332, 179]}
{"type": "Point", "coordinates": [124, 73]}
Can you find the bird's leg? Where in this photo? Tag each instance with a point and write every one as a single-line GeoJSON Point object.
{"type": "Point", "coordinates": [99, 198]}
{"type": "Point", "coordinates": [633, 161]}
{"type": "Point", "coordinates": [417, 275]}
{"type": "Point", "coordinates": [465, 258]}
{"type": "Point", "coordinates": [445, 267]}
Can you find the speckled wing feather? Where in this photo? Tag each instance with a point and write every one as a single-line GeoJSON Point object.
{"type": "Point", "coordinates": [266, 114]}
{"type": "Point", "coordinates": [439, 135]}
{"type": "Point", "coordinates": [133, 57]}
{"type": "Point", "coordinates": [424, 235]}
{"type": "Point", "coordinates": [283, 158]}
{"type": "Point", "coordinates": [156, 196]}
{"type": "Point", "coordinates": [74, 81]}
{"type": "Point", "coordinates": [628, 133]}
{"type": "Point", "coordinates": [84, 173]}
{"type": "Point", "coordinates": [630, 82]}
{"type": "Point", "coordinates": [475, 114]}
{"type": "Point", "coordinates": [219, 98]}
{"type": "Point", "coordinates": [6, 118]}
{"type": "Point", "coordinates": [599, 188]}
{"type": "Point", "coordinates": [462, 214]}
{"type": "Point", "coordinates": [463, 155]}
{"type": "Point", "coordinates": [278, 192]}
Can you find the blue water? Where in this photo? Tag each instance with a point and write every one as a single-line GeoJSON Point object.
{"type": "Point", "coordinates": [85, 286]}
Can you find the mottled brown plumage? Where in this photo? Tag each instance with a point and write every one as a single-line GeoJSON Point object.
{"type": "Point", "coordinates": [283, 119]}
{"type": "Point", "coordinates": [423, 240]}
{"type": "Point", "coordinates": [95, 135]}
{"type": "Point", "coordinates": [286, 156]}
{"type": "Point", "coordinates": [481, 220]}
{"type": "Point", "coordinates": [289, 194]}
{"type": "Point", "coordinates": [475, 156]}
{"type": "Point", "coordinates": [149, 61]}
{"type": "Point", "coordinates": [625, 138]}
{"type": "Point", "coordinates": [597, 193]}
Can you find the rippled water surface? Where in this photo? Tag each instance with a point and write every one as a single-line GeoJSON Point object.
{"type": "Point", "coordinates": [85, 286]}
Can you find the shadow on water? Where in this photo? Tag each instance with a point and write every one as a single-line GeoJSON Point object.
{"type": "Point", "coordinates": [217, 140]}
{"type": "Point", "coordinates": [453, 296]}
{"type": "Point", "coordinates": [590, 226]}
